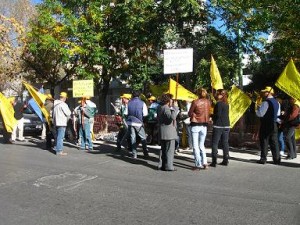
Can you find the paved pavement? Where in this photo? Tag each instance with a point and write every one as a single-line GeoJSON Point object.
{"type": "Point", "coordinates": [104, 187]}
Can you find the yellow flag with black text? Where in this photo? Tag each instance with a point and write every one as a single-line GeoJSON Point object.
{"type": "Point", "coordinates": [216, 80]}
{"type": "Point", "coordinates": [182, 93]}
{"type": "Point", "coordinates": [7, 113]}
{"type": "Point", "coordinates": [39, 98]}
{"type": "Point", "coordinates": [238, 104]}
{"type": "Point", "coordinates": [289, 81]}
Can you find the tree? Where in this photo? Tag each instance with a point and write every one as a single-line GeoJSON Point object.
{"type": "Point", "coordinates": [14, 17]}
{"type": "Point", "coordinates": [124, 39]}
{"type": "Point", "coordinates": [212, 42]}
{"type": "Point", "coordinates": [284, 43]}
{"type": "Point", "coordinates": [65, 41]}
{"type": "Point", "coordinates": [257, 19]}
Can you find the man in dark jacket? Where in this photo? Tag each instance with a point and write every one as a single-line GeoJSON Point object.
{"type": "Point", "coordinates": [137, 110]}
{"type": "Point", "coordinates": [268, 112]}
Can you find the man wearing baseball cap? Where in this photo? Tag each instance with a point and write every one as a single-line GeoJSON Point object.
{"type": "Point", "coordinates": [123, 133]}
{"type": "Point", "coordinates": [268, 112]}
{"type": "Point", "coordinates": [61, 115]}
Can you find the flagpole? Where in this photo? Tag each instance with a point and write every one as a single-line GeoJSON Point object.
{"type": "Point", "coordinates": [177, 77]}
{"type": "Point", "coordinates": [169, 84]}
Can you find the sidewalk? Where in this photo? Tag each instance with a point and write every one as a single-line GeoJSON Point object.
{"type": "Point", "coordinates": [241, 154]}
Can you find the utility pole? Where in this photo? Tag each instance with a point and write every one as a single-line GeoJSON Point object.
{"type": "Point", "coordinates": [240, 78]}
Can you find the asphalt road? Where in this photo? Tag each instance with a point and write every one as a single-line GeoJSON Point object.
{"type": "Point", "coordinates": [38, 187]}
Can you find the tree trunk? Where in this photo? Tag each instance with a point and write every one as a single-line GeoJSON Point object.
{"type": "Point", "coordinates": [102, 92]}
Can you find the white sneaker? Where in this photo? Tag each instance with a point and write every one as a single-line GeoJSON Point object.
{"type": "Point", "coordinates": [282, 154]}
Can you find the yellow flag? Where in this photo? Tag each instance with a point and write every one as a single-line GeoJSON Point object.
{"type": "Point", "coordinates": [7, 112]}
{"type": "Point", "coordinates": [158, 90]}
{"type": "Point", "coordinates": [216, 80]}
{"type": "Point", "coordinates": [297, 133]}
{"type": "Point", "coordinates": [182, 93]}
{"type": "Point", "coordinates": [238, 104]}
{"type": "Point", "coordinates": [289, 81]}
{"type": "Point", "coordinates": [39, 98]}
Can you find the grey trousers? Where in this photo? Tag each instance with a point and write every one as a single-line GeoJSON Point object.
{"type": "Point", "coordinates": [166, 155]}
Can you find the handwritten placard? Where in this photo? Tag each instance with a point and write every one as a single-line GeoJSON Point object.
{"type": "Point", "coordinates": [83, 88]}
{"type": "Point", "coordinates": [178, 60]}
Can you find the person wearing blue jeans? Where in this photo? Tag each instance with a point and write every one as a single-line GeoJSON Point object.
{"type": "Point", "coordinates": [199, 116]}
{"type": "Point", "coordinates": [189, 136]}
{"type": "Point", "coordinates": [140, 132]}
{"type": "Point", "coordinates": [84, 112]}
{"type": "Point", "coordinates": [199, 135]}
{"type": "Point", "coordinates": [85, 136]}
{"type": "Point", "coordinates": [137, 111]}
{"type": "Point", "coordinates": [60, 114]}
{"type": "Point", "coordinates": [291, 121]}
{"type": "Point", "coordinates": [60, 135]}
{"type": "Point", "coordinates": [281, 142]}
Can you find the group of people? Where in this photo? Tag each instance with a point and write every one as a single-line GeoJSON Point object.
{"type": "Point", "coordinates": [134, 111]}
{"type": "Point", "coordinates": [274, 119]}
{"type": "Point", "coordinates": [278, 120]}
{"type": "Point", "coordinates": [83, 120]}
{"type": "Point", "coordinates": [277, 128]}
{"type": "Point", "coordinates": [60, 115]}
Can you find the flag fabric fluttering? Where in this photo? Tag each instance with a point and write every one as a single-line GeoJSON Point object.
{"type": "Point", "coordinates": [238, 104]}
{"type": "Point", "coordinates": [297, 133]}
{"type": "Point", "coordinates": [158, 90]}
{"type": "Point", "coordinates": [182, 92]}
{"type": "Point", "coordinates": [216, 80]}
{"type": "Point", "coordinates": [289, 81]}
{"type": "Point", "coordinates": [34, 106]}
{"type": "Point", "coordinates": [7, 113]}
{"type": "Point", "coordinates": [39, 98]}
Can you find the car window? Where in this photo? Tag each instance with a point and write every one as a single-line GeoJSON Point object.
{"type": "Point", "coordinates": [28, 111]}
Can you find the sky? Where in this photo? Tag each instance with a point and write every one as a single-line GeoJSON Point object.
{"type": "Point", "coordinates": [36, 1]}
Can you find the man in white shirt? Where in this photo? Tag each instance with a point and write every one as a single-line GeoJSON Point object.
{"type": "Point", "coordinates": [60, 114]}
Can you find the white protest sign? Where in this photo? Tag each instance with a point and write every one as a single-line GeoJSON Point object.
{"type": "Point", "coordinates": [83, 88]}
{"type": "Point", "coordinates": [178, 60]}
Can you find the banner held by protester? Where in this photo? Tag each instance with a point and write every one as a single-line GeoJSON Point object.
{"type": "Point", "coordinates": [7, 112]}
{"type": "Point", "coordinates": [83, 88]}
{"type": "Point", "coordinates": [182, 93]}
{"type": "Point", "coordinates": [39, 98]}
{"type": "Point", "coordinates": [238, 104]}
{"type": "Point", "coordinates": [216, 80]}
{"type": "Point", "coordinates": [289, 81]}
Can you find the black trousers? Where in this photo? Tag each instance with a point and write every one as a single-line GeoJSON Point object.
{"type": "Point", "coordinates": [268, 135]}
{"type": "Point", "coordinates": [123, 135]}
{"type": "Point", "coordinates": [49, 137]}
{"type": "Point", "coordinates": [217, 135]}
